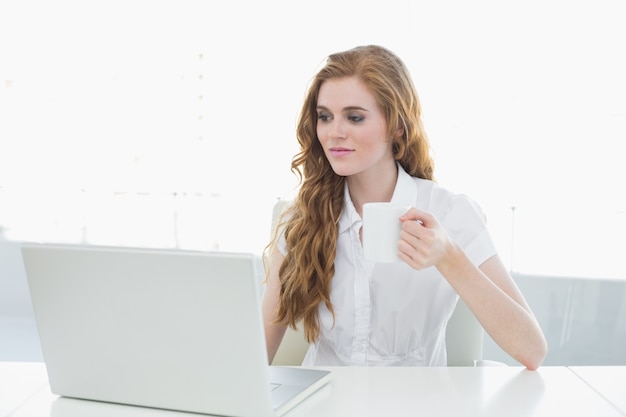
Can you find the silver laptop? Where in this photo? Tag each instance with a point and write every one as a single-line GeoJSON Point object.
{"type": "Point", "coordinates": [169, 329]}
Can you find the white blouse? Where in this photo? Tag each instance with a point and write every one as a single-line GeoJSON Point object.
{"type": "Point", "coordinates": [388, 313]}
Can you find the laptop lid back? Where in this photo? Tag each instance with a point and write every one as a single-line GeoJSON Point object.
{"type": "Point", "coordinates": [159, 328]}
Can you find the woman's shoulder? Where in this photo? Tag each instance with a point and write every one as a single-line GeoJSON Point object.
{"type": "Point", "coordinates": [441, 201]}
{"type": "Point", "coordinates": [433, 191]}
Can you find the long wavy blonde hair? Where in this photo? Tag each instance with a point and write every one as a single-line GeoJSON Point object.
{"type": "Point", "coordinates": [310, 225]}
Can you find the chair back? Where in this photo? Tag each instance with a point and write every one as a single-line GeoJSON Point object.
{"type": "Point", "coordinates": [464, 337]}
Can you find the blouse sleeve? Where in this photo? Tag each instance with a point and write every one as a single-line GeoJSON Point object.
{"type": "Point", "coordinates": [466, 224]}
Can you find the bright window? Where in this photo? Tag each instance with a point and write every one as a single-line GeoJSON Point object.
{"type": "Point", "coordinates": [172, 123]}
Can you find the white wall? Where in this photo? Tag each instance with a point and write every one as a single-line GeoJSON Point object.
{"type": "Point", "coordinates": [14, 296]}
{"type": "Point", "coordinates": [18, 332]}
{"type": "Point", "coordinates": [523, 103]}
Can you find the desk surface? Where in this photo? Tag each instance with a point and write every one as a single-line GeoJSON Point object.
{"type": "Point", "coordinates": [608, 381]}
{"type": "Point", "coordinates": [395, 391]}
{"type": "Point", "coordinates": [486, 391]}
{"type": "Point", "coordinates": [18, 382]}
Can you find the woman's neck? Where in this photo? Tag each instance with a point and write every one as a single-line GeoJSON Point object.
{"type": "Point", "coordinates": [372, 187]}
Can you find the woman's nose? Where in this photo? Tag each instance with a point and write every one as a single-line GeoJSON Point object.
{"type": "Point", "coordinates": [337, 130]}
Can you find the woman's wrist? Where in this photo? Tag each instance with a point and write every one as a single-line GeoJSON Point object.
{"type": "Point", "coordinates": [452, 261]}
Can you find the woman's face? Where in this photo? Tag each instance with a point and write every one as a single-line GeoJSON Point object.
{"type": "Point", "coordinates": [351, 128]}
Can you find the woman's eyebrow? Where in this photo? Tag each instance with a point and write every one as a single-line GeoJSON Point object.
{"type": "Point", "coordinates": [345, 109]}
{"type": "Point", "coordinates": [352, 108]}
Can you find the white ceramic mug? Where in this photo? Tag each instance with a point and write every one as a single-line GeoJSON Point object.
{"type": "Point", "coordinates": [381, 231]}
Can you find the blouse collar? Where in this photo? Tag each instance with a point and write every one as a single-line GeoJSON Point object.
{"type": "Point", "coordinates": [405, 193]}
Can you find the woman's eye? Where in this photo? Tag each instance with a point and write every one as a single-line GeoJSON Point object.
{"type": "Point", "coordinates": [356, 118]}
{"type": "Point", "coordinates": [323, 117]}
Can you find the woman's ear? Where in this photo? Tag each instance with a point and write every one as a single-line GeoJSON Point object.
{"type": "Point", "coordinates": [397, 142]}
{"type": "Point", "coordinates": [399, 132]}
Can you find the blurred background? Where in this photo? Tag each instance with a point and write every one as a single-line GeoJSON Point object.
{"type": "Point", "coordinates": [171, 123]}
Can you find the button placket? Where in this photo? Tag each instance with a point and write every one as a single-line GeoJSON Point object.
{"type": "Point", "coordinates": [362, 300]}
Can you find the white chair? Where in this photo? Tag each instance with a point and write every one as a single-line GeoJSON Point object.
{"type": "Point", "coordinates": [464, 337]}
{"type": "Point", "coordinates": [464, 334]}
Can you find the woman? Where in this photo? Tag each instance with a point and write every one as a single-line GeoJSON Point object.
{"type": "Point", "coordinates": [362, 140]}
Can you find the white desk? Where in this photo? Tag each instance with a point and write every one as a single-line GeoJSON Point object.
{"type": "Point", "coordinates": [608, 381]}
{"type": "Point", "coordinates": [487, 391]}
{"type": "Point", "coordinates": [19, 381]}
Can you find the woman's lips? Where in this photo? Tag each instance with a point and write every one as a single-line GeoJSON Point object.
{"type": "Point", "coordinates": [337, 152]}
